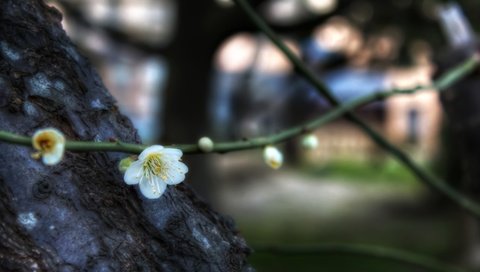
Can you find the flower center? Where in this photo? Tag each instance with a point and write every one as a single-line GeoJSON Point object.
{"type": "Point", "coordinates": [45, 144]}
{"type": "Point", "coordinates": [154, 166]}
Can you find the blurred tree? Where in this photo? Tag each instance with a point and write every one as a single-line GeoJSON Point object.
{"type": "Point", "coordinates": [462, 125]}
{"type": "Point", "coordinates": [201, 27]}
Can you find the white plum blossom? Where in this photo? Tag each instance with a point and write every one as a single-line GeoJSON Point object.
{"type": "Point", "coordinates": [273, 157]}
{"type": "Point", "coordinates": [205, 144]}
{"type": "Point", "coordinates": [50, 144]}
{"type": "Point", "coordinates": [156, 167]}
{"type": "Point", "coordinates": [310, 142]}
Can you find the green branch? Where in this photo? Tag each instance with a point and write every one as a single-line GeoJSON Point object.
{"type": "Point", "coordinates": [449, 78]}
{"type": "Point", "coordinates": [445, 82]}
{"type": "Point", "coordinates": [77, 146]}
{"type": "Point", "coordinates": [360, 250]}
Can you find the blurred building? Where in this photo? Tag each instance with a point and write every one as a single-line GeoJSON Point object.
{"type": "Point", "coordinates": [410, 121]}
{"type": "Point", "coordinates": [414, 120]}
{"type": "Point", "coordinates": [251, 70]}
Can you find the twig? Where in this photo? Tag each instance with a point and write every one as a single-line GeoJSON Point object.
{"type": "Point", "coordinates": [452, 76]}
{"type": "Point", "coordinates": [446, 81]}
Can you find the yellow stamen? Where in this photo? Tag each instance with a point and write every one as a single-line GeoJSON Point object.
{"type": "Point", "coordinates": [154, 166]}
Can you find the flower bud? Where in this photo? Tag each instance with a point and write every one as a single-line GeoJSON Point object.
{"type": "Point", "coordinates": [125, 163]}
{"type": "Point", "coordinates": [50, 144]}
{"type": "Point", "coordinates": [273, 157]}
{"type": "Point", "coordinates": [310, 142]}
{"type": "Point", "coordinates": [205, 144]}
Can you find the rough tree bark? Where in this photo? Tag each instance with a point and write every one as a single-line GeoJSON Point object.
{"type": "Point", "coordinates": [79, 215]}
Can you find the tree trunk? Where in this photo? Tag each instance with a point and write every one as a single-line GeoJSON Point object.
{"type": "Point", "coordinates": [79, 215]}
{"type": "Point", "coordinates": [200, 29]}
{"type": "Point", "coordinates": [462, 151]}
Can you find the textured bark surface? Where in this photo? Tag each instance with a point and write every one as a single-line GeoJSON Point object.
{"type": "Point", "coordinates": [79, 215]}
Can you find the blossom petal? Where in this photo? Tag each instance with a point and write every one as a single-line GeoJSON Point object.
{"type": "Point", "coordinates": [176, 165]}
{"type": "Point", "coordinates": [52, 158]}
{"type": "Point", "coordinates": [176, 173]}
{"type": "Point", "coordinates": [134, 173]}
{"type": "Point", "coordinates": [56, 154]}
{"type": "Point", "coordinates": [182, 168]}
{"type": "Point", "coordinates": [173, 152]}
{"type": "Point", "coordinates": [175, 179]}
{"type": "Point", "coordinates": [152, 190]}
{"type": "Point", "coordinates": [149, 150]}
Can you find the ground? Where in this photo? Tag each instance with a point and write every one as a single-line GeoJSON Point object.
{"type": "Point", "coordinates": [297, 207]}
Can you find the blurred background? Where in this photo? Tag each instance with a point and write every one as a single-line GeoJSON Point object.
{"type": "Point", "coordinates": [185, 69]}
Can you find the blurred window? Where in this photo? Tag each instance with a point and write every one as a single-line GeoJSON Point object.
{"type": "Point", "coordinates": [413, 122]}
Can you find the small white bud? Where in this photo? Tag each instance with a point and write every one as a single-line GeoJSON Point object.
{"type": "Point", "coordinates": [273, 157]}
{"type": "Point", "coordinates": [310, 142]}
{"type": "Point", "coordinates": [50, 144]}
{"type": "Point", "coordinates": [205, 144]}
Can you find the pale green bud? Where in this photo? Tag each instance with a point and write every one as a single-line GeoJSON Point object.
{"type": "Point", "coordinates": [205, 144]}
{"type": "Point", "coordinates": [125, 163]}
{"type": "Point", "coordinates": [310, 142]}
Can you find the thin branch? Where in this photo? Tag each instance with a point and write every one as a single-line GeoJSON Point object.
{"type": "Point", "coordinates": [445, 81]}
{"type": "Point", "coordinates": [360, 250]}
{"type": "Point", "coordinates": [300, 67]}
{"type": "Point", "coordinates": [450, 77]}
{"type": "Point", "coordinates": [78, 146]}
